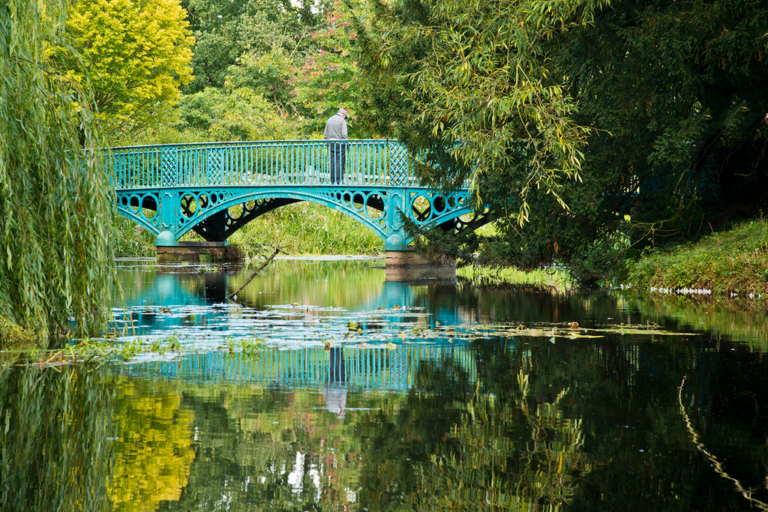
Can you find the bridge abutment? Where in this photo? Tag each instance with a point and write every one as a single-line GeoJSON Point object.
{"type": "Point", "coordinates": [171, 251]}
{"type": "Point", "coordinates": [199, 252]}
{"type": "Point", "coordinates": [408, 265]}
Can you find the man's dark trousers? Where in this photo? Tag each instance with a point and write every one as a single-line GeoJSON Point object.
{"type": "Point", "coordinates": [338, 154]}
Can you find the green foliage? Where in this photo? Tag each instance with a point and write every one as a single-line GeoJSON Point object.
{"type": "Point", "coordinates": [306, 228]}
{"type": "Point", "coordinates": [733, 261]}
{"type": "Point", "coordinates": [54, 437]}
{"type": "Point", "coordinates": [131, 240]}
{"type": "Point", "coordinates": [137, 53]}
{"type": "Point", "coordinates": [242, 114]}
{"type": "Point", "coordinates": [55, 258]}
{"type": "Point", "coordinates": [216, 115]}
{"type": "Point", "coordinates": [679, 87]}
{"type": "Point", "coordinates": [248, 349]}
{"type": "Point", "coordinates": [265, 70]}
{"type": "Point", "coordinates": [477, 74]}
{"type": "Point", "coordinates": [268, 74]}
{"type": "Point", "coordinates": [226, 30]}
{"type": "Point", "coordinates": [330, 77]}
{"type": "Point", "coordinates": [474, 88]}
{"type": "Point", "coordinates": [672, 94]}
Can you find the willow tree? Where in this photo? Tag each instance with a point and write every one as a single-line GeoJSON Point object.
{"type": "Point", "coordinates": [55, 215]}
{"type": "Point", "coordinates": [477, 74]}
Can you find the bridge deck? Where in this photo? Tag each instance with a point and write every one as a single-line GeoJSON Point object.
{"type": "Point", "coordinates": [380, 162]}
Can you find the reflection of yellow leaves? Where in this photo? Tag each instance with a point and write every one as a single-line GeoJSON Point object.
{"type": "Point", "coordinates": [153, 453]}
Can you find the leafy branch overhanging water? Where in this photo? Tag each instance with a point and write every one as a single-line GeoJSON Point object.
{"type": "Point", "coordinates": [55, 258]}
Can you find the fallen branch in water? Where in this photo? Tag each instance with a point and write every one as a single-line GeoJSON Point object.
{"type": "Point", "coordinates": [262, 267]}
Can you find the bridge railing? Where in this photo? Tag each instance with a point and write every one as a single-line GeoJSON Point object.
{"type": "Point", "coordinates": [376, 162]}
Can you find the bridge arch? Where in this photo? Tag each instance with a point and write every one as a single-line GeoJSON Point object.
{"type": "Point", "coordinates": [209, 204]}
{"type": "Point", "coordinates": [264, 202]}
{"type": "Point", "coordinates": [132, 204]}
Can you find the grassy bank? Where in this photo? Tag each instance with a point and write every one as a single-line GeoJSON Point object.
{"type": "Point", "coordinates": [131, 240]}
{"type": "Point", "coordinates": [307, 229]}
{"type": "Point", "coordinates": [732, 261]}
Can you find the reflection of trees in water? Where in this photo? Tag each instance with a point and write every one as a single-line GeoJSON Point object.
{"type": "Point", "coordinates": [716, 464]}
{"type": "Point", "coordinates": [705, 313]}
{"type": "Point", "coordinates": [473, 444]}
{"type": "Point", "coordinates": [614, 441]}
{"type": "Point", "coordinates": [153, 449]}
{"type": "Point", "coordinates": [55, 426]}
{"type": "Point", "coordinates": [483, 304]}
{"type": "Point", "coordinates": [579, 424]}
{"type": "Point", "coordinates": [324, 283]}
{"type": "Point", "coordinates": [153, 285]}
{"type": "Point", "coordinates": [264, 448]}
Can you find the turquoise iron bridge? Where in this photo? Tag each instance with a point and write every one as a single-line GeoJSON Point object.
{"type": "Point", "coordinates": [215, 189]}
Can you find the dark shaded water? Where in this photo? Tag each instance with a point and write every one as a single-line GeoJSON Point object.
{"type": "Point", "coordinates": [437, 402]}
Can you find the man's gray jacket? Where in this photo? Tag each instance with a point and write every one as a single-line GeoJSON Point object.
{"type": "Point", "coordinates": [335, 128]}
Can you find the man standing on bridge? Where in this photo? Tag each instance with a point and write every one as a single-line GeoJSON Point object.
{"type": "Point", "coordinates": [336, 132]}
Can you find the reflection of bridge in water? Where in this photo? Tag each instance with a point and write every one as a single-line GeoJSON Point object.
{"type": "Point", "coordinates": [210, 291]}
{"type": "Point", "coordinates": [314, 367]}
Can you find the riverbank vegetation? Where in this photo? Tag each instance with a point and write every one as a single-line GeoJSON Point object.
{"type": "Point", "coordinates": [604, 130]}
{"type": "Point", "coordinates": [308, 229]}
{"type": "Point", "coordinates": [734, 261]}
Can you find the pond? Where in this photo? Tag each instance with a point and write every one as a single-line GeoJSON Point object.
{"type": "Point", "coordinates": [324, 387]}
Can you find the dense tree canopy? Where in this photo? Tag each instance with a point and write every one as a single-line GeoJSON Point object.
{"type": "Point", "coordinates": [677, 92]}
{"type": "Point", "coordinates": [682, 89]}
{"type": "Point", "coordinates": [226, 30]}
{"type": "Point", "coordinates": [138, 54]}
{"type": "Point", "coordinates": [657, 108]}
{"type": "Point", "coordinates": [480, 77]}
{"type": "Point", "coordinates": [55, 258]}
{"type": "Point", "coordinates": [267, 70]}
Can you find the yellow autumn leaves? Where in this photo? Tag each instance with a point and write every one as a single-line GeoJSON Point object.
{"type": "Point", "coordinates": [137, 53]}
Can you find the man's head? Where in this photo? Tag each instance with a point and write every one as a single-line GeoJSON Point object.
{"type": "Point", "coordinates": [342, 113]}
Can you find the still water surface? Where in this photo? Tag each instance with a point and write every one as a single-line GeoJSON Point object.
{"type": "Point", "coordinates": [440, 396]}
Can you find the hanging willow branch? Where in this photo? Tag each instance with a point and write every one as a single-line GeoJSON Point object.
{"type": "Point", "coordinates": [56, 263]}
{"type": "Point", "coordinates": [716, 464]}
